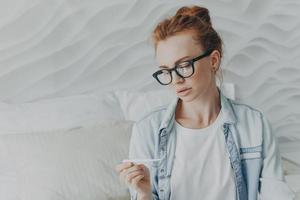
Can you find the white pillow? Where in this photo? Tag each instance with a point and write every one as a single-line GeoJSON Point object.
{"type": "Point", "coordinates": [76, 164]}
{"type": "Point", "coordinates": [135, 105]}
{"type": "Point", "coordinates": [58, 113]}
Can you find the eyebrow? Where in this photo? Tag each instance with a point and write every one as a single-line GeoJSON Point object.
{"type": "Point", "coordinates": [176, 62]}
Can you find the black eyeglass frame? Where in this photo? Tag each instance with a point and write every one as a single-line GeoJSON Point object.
{"type": "Point", "coordinates": [191, 62]}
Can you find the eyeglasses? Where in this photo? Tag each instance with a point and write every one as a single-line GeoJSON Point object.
{"type": "Point", "coordinates": [183, 69]}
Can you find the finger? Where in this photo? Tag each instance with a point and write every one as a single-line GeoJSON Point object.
{"type": "Point", "coordinates": [123, 166]}
{"type": "Point", "coordinates": [135, 168]}
{"type": "Point", "coordinates": [131, 176]}
{"type": "Point", "coordinates": [143, 167]}
{"type": "Point", "coordinates": [137, 179]}
{"type": "Point", "coordinates": [124, 174]}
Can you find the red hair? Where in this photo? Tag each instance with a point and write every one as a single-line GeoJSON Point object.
{"type": "Point", "coordinates": [194, 19]}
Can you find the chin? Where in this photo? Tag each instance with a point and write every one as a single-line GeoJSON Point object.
{"type": "Point", "coordinates": [187, 98]}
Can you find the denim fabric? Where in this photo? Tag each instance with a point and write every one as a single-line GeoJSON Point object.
{"type": "Point", "coordinates": [253, 150]}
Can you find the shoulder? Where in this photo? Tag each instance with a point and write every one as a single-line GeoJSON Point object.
{"type": "Point", "coordinates": [152, 118]}
{"type": "Point", "coordinates": [145, 131]}
{"type": "Point", "coordinates": [243, 110]}
{"type": "Point", "coordinates": [251, 124]}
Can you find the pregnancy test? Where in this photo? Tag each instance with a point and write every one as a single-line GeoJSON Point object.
{"type": "Point", "coordinates": [142, 160]}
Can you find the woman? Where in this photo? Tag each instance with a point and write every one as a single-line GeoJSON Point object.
{"type": "Point", "coordinates": [210, 147]}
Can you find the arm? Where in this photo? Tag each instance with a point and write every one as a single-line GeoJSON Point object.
{"type": "Point", "coordinates": [273, 185]}
{"type": "Point", "coordinates": [140, 148]}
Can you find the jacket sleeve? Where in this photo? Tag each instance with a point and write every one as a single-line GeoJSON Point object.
{"type": "Point", "coordinates": [273, 185]}
{"type": "Point", "coordinates": [140, 149]}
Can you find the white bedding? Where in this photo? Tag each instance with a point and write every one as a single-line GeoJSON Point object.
{"type": "Point", "coordinates": [75, 164]}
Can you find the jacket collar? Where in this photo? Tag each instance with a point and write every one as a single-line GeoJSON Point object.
{"type": "Point", "coordinates": [169, 117]}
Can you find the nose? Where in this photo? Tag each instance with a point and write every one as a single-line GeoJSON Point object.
{"type": "Point", "coordinates": [176, 78]}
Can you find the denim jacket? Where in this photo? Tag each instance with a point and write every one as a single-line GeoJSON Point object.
{"type": "Point", "coordinates": [253, 151]}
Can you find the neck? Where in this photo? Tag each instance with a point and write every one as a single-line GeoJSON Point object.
{"type": "Point", "coordinates": [203, 109]}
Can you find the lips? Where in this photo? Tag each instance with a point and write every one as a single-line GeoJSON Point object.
{"type": "Point", "coordinates": [181, 90]}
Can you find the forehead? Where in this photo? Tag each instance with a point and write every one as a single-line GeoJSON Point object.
{"type": "Point", "coordinates": [175, 47]}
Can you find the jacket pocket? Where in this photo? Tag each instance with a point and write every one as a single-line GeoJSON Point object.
{"type": "Point", "coordinates": [249, 153]}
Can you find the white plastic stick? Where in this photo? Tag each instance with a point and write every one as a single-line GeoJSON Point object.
{"type": "Point", "coordinates": [141, 160]}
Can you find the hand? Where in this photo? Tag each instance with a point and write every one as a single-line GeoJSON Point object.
{"type": "Point", "coordinates": [135, 175]}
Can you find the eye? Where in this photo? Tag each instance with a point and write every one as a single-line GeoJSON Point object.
{"type": "Point", "coordinates": [165, 72]}
{"type": "Point", "coordinates": [184, 64]}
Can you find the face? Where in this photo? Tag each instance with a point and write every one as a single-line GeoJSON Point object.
{"type": "Point", "coordinates": [183, 47]}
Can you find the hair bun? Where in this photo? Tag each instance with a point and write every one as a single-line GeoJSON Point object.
{"type": "Point", "coordinates": [197, 11]}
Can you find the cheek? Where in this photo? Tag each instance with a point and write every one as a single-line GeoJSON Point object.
{"type": "Point", "coordinates": [200, 77]}
{"type": "Point", "coordinates": [203, 71]}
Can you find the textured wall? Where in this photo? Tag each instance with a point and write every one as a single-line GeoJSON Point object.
{"type": "Point", "coordinates": [51, 48]}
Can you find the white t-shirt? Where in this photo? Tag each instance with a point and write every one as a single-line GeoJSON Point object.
{"type": "Point", "coordinates": [202, 167]}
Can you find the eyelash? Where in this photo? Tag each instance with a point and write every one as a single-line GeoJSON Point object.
{"type": "Point", "coordinates": [184, 61]}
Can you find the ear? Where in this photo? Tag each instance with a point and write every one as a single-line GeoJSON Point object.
{"type": "Point", "coordinates": [215, 59]}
